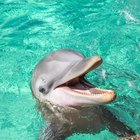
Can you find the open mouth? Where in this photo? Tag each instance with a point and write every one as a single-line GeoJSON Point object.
{"type": "Point", "coordinates": [84, 90]}
{"type": "Point", "coordinates": [81, 86]}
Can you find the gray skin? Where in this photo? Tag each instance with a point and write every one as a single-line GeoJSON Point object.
{"type": "Point", "coordinates": [68, 102]}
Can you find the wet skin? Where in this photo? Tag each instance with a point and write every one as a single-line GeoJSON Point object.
{"type": "Point", "coordinates": [68, 101]}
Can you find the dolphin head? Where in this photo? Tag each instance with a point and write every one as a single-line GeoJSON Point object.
{"type": "Point", "coordinates": [59, 79]}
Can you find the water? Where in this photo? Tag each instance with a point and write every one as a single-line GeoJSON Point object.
{"type": "Point", "coordinates": [31, 29]}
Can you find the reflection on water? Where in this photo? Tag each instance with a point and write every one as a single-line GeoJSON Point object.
{"type": "Point", "coordinates": [31, 29]}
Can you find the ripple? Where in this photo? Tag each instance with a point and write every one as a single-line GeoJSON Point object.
{"type": "Point", "coordinates": [31, 29]}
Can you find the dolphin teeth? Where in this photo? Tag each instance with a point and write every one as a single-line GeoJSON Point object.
{"type": "Point", "coordinates": [87, 92]}
{"type": "Point", "coordinates": [95, 92]}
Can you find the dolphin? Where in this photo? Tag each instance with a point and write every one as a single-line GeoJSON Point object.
{"type": "Point", "coordinates": [69, 102]}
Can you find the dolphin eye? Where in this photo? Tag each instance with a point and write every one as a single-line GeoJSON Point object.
{"type": "Point", "coordinates": [42, 90]}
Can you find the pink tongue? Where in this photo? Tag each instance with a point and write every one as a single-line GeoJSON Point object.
{"type": "Point", "coordinates": [95, 91]}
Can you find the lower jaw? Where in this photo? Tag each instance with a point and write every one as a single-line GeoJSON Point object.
{"type": "Point", "coordinates": [87, 91]}
{"type": "Point", "coordinates": [82, 94]}
{"type": "Point", "coordinates": [78, 98]}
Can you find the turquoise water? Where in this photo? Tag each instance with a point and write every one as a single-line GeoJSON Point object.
{"type": "Point", "coordinates": [31, 29]}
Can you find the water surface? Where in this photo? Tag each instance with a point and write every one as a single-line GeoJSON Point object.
{"type": "Point", "coordinates": [31, 29]}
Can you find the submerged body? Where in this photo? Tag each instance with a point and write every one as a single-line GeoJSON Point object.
{"type": "Point", "coordinates": [68, 101]}
{"type": "Point", "coordinates": [62, 122]}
